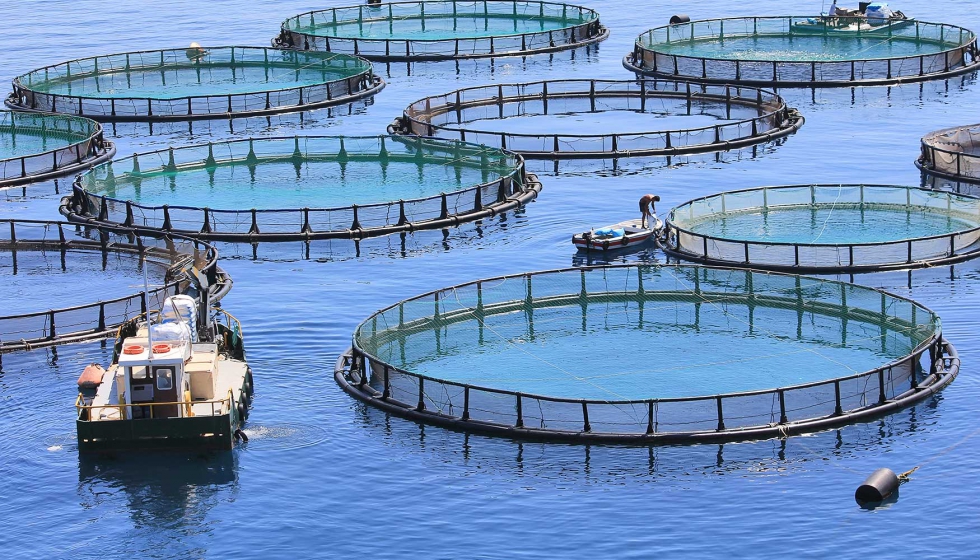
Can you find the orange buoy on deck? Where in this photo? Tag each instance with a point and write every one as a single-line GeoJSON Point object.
{"type": "Point", "coordinates": [133, 349]}
{"type": "Point", "coordinates": [161, 348]}
{"type": "Point", "coordinates": [91, 377]}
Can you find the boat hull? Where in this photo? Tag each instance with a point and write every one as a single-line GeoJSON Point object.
{"type": "Point", "coordinates": [634, 237]}
{"type": "Point", "coordinates": [204, 433]}
{"type": "Point", "coordinates": [193, 433]}
{"type": "Point", "coordinates": [628, 241]}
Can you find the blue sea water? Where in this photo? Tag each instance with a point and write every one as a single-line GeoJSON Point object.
{"type": "Point", "coordinates": [323, 476]}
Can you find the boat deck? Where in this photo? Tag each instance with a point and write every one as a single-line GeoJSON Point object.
{"type": "Point", "coordinates": [207, 400]}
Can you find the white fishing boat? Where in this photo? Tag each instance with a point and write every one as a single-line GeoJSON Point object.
{"type": "Point", "coordinates": [175, 382]}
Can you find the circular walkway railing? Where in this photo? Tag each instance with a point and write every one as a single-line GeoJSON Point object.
{"type": "Point", "coordinates": [955, 52]}
{"type": "Point", "coordinates": [506, 186]}
{"type": "Point", "coordinates": [57, 145]}
{"type": "Point", "coordinates": [195, 83]}
{"type": "Point", "coordinates": [952, 153]}
{"type": "Point", "coordinates": [191, 266]}
{"type": "Point", "coordinates": [778, 412]}
{"type": "Point", "coordinates": [962, 243]}
{"type": "Point", "coordinates": [438, 30]}
{"type": "Point", "coordinates": [752, 116]}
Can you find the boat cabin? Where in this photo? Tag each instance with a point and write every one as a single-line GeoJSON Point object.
{"type": "Point", "coordinates": [154, 378]}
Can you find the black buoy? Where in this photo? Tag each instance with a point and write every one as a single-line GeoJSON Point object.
{"type": "Point", "coordinates": [679, 18]}
{"type": "Point", "coordinates": [876, 488]}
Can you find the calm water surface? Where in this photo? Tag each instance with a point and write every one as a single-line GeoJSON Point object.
{"type": "Point", "coordinates": [325, 477]}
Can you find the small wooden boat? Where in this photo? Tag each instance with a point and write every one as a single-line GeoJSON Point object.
{"type": "Point", "coordinates": [628, 234]}
{"type": "Point", "coordinates": [173, 384]}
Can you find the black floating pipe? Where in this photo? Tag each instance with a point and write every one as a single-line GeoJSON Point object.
{"type": "Point", "coordinates": [679, 18]}
{"type": "Point", "coordinates": [879, 486]}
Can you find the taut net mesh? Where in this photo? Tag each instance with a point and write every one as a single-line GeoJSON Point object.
{"type": "Point", "coordinates": [513, 116]}
{"type": "Point", "coordinates": [787, 51]}
{"type": "Point", "coordinates": [644, 350]}
{"type": "Point", "coordinates": [35, 147]}
{"type": "Point", "coordinates": [302, 187]}
{"type": "Point", "coordinates": [827, 227]}
{"type": "Point", "coordinates": [440, 30]}
{"type": "Point", "coordinates": [64, 288]}
{"type": "Point", "coordinates": [181, 84]}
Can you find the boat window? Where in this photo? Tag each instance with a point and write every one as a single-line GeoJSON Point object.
{"type": "Point", "coordinates": [138, 373]}
{"type": "Point", "coordinates": [165, 378]}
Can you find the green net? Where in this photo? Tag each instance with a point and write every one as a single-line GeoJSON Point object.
{"type": "Point", "coordinates": [826, 226]}
{"type": "Point", "coordinates": [194, 82]}
{"type": "Point", "coordinates": [443, 29]}
{"type": "Point", "coordinates": [38, 146]}
{"type": "Point", "coordinates": [635, 334]}
{"type": "Point", "coordinates": [801, 50]}
{"type": "Point", "coordinates": [644, 351]}
{"type": "Point", "coordinates": [302, 185]}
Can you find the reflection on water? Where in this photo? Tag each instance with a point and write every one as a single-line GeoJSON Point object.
{"type": "Point", "coordinates": [161, 491]}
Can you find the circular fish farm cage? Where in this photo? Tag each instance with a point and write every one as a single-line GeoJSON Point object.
{"type": "Point", "coordinates": [43, 262]}
{"type": "Point", "coordinates": [302, 188]}
{"type": "Point", "coordinates": [651, 118]}
{"type": "Point", "coordinates": [952, 153]}
{"type": "Point", "coordinates": [789, 51]}
{"type": "Point", "coordinates": [36, 147]}
{"type": "Point", "coordinates": [443, 29]}
{"type": "Point", "coordinates": [195, 83]}
{"type": "Point", "coordinates": [826, 228]}
{"type": "Point", "coordinates": [647, 354]}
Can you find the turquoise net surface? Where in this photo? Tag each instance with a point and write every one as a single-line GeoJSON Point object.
{"type": "Point", "coordinates": [688, 332]}
{"type": "Point", "coordinates": [182, 73]}
{"type": "Point", "coordinates": [23, 134]}
{"type": "Point", "coordinates": [314, 172]}
{"type": "Point", "coordinates": [828, 214]}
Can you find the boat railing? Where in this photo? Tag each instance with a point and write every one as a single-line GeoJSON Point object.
{"type": "Point", "coordinates": [86, 412]}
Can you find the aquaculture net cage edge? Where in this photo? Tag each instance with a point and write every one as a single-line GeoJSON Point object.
{"type": "Point", "coordinates": [586, 31]}
{"type": "Point", "coordinates": [360, 84]}
{"type": "Point", "coordinates": [646, 60]}
{"type": "Point", "coordinates": [685, 244]}
{"type": "Point", "coordinates": [86, 146]}
{"type": "Point", "coordinates": [952, 153]}
{"type": "Point", "coordinates": [188, 263]}
{"type": "Point", "coordinates": [446, 115]}
{"type": "Point", "coordinates": [511, 188]}
{"type": "Point", "coordinates": [758, 414]}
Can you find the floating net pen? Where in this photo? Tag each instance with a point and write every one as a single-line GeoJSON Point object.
{"type": "Point", "coordinates": [36, 147]}
{"type": "Point", "coordinates": [826, 228]}
{"type": "Point", "coordinates": [952, 153]}
{"type": "Point", "coordinates": [786, 51]}
{"type": "Point", "coordinates": [647, 354]}
{"type": "Point", "coordinates": [302, 188]}
{"type": "Point", "coordinates": [45, 261]}
{"type": "Point", "coordinates": [512, 116]}
{"type": "Point", "coordinates": [443, 30]}
{"type": "Point", "coordinates": [195, 83]}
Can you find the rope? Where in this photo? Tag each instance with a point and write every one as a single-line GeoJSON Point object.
{"type": "Point", "coordinates": [904, 477]}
